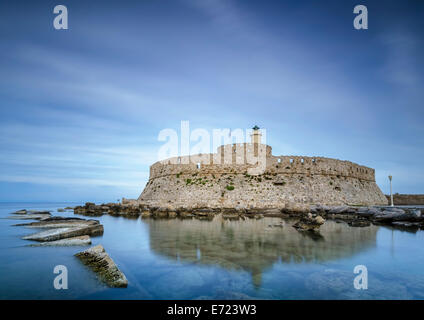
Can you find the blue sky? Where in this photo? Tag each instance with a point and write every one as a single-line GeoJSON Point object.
{"type": "Point", "coordinates": [81, 109]}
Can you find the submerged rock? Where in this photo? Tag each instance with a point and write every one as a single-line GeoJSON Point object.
{"type": "Point", "coordinates": [74, 241]}
{"type": "Point", "coordinates": [99, 261]}
{"type": "Point", "coordinates": [39, 212]}
{"type": "Point", "coordinates": [63, 233]}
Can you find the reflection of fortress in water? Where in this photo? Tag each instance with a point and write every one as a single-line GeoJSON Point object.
{"type": "Point", "coordinates": [253, 245]}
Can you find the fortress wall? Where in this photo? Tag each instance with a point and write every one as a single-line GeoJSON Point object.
{"type": "Point", "coordinates": [318, 165]}
{"type": "Point", "coordinates": [266, 191]}
{"type": "Point", "coordinates": [202, 180]}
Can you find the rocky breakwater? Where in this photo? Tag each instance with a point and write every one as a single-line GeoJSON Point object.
{"type": "Point", "coordinates": [136, 209]}
{"type": "Point", "coordinates": [99, 261]}
{"type": "Point", "coordinates": [355, 216]}
{"type": "Point", "coordinates": [114, 209]}
{"type": "Point", "coordinates": [364, 216]}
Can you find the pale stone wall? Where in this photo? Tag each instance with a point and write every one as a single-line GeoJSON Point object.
{"type": "Point", "coordinates": [203, 180]}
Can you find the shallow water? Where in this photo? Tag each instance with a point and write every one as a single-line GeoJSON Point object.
{"type": "Point", "coordinates": [192, 259]}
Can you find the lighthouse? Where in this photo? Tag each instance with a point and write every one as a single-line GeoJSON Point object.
{"type": "Point", "coordinates": [256, 135]}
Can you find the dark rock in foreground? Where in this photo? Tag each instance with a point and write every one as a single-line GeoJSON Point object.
{"type": "Point", "coordinates": [100, 262]}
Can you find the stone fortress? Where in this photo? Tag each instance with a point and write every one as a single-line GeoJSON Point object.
{"type": "Point", "coordinates": [248, 176]}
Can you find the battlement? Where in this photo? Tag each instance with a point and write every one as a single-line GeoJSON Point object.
{"type": "Point", "coordinates": [239, 158]}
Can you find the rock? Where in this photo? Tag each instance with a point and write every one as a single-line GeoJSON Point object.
{"type": "Point", "coordinates": [394, 209]}
{"type": "Point", "coordinates": [359, 223]}
{"type": "Point", "coordinates": [395, 215]}
{"type": "Point", "coordinates": [338, 210]}
{"type": "Point", "coordinates": [60, 210]}
{"type": "Point", "coordinates": [224, 211]}
{"type": "Point", "coordinates": [31, 216]}
{"type": "Point", "coordinates": [99, 261]}
{"type": "Point", "coordinates": [172, 214]}
{"type": "Point", "coordinates": [314, 209]}
{"type": "Point", "coordinates": [320, 208]}
{"type": "Point", "coordinates": [91, 209]}
{"type": "Point", "coordinates": [416, 212]}
{"type": "Point", "coordinates": [406, 224]}
{"type": "Point", "coordinates": [160, 214]}
{"type": "Point", "coordinates": [319, 220]}
{"type": "Point", "coordinates": [240, 209]}
{"type": "Point", "coordinates": [59, 222]}
{"type": "Point", "coordinates": [387, 215]}
{"type": "Point", "coordinates": [345, 217]}
{"type": "Point", "coordinates": [309, 223]}
{"type": "Point", "coordinates": [270, 212]}
{"type": "Point", "coordinates": [368, 211]}
{"type": "Point", "coordinates": [230, 216]}
{"type": "Point", "coordinates": [292, 207]}
{"type": "Point", "coordinates": [146, 214]}
{"type": "Point", "coordinates": [39, 212]}
{"type": "Point", "coordinates": [408, 216]}
{"type": "Point", "coordinates": [74, 241]}
{"type": "Point", "coordinates": [186, 215]}
{"type": "Point", "coordinates": [68, 232]}
{"type": "Point", "coordinates": [23, 211]}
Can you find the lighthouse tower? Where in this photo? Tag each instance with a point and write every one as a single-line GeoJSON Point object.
{"type": "Point", "coordinates": [256, 135]}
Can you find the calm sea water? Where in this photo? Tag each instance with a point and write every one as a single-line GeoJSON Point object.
{"type": "Point", "coordinates": [191, 259]}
